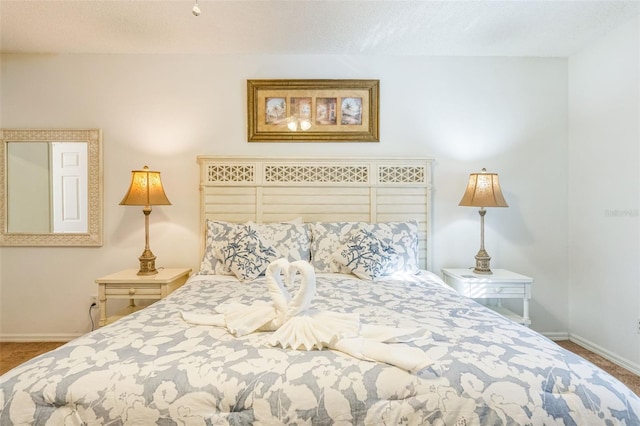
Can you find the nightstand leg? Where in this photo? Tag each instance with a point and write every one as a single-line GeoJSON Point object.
{"type": "Point", "coordinates": [102, 298]}
{"type": "Point", "coordinates": [525, 310]}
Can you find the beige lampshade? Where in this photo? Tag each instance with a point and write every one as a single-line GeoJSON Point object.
{"type": "Point", "coordinates": [145, 190]}
{"type": "Point", "coordinates": [483, 190]}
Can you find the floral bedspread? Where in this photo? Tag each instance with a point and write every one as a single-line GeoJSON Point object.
{"type": "Point", "coordinates": [153, 368]}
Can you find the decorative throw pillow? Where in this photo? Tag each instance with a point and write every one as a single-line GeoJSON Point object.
{"type": "Point", "coordinates": [247, 254]}
{"type": "Point", "coordinates": [365, 255]}
{"type": "Point", "coordinates": [291, 240]}
{"type": "Point", "coordinates": [326, 238]}
{"type": "Point", "coordinates": [217, 235]}
{"type": "Point", "coordinates": [403, 238]}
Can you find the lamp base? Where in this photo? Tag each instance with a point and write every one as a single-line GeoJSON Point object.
{"type": "Point", "coordinates": [147, 263]}
{"type": "Point", "coordinates": [482, 263]}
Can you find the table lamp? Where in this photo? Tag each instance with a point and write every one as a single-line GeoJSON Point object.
{"type": "Point", "coordinates": [483, 190]}
{"type": "Point", "coordinates": [146, 190]}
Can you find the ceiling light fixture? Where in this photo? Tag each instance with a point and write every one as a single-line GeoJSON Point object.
{"type": "Point", "coordinates": [196, 9]}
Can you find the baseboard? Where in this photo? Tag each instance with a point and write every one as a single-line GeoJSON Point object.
{"type": "Point", "coordinates": [38, 337]}
{"type": "Point", "coordinates": [556, 335]}
{"type": "Point", "coordinates": [622, 362]}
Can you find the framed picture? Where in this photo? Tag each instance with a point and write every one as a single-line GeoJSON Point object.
{"type": "Point", "coordinates": [313, 110]}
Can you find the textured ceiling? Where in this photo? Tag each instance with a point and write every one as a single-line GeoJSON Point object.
{"type": "Point", "coordinates": [478, 28]}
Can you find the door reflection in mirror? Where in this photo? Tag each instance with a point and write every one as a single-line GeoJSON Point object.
{"type": "Point", "coordinates": [47, 187]}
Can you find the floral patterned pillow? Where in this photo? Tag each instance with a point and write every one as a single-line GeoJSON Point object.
{"type": "Point", "coordinates": [217, 235]}
{"type": "Point", "coordinates": [403, 238]}
{"type": "Point", "coordinates": [365, 255]}
{"type": "Point", "coordinates": [292, 240]}
{"type": "Point", "coordinates": [247, 254]}
{"type": "Point", "coordinates": [326, 238]}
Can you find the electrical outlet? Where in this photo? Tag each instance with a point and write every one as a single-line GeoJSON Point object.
{"type": "Point", "coordinates": [638, 326]}
{"type": "Point", "coordinates": [92, 300]}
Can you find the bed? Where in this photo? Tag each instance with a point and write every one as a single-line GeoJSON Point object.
{"type": "Point", "coordinates": [174, 362]}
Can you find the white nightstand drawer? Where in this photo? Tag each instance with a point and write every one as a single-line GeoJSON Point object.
{"type": "Point", "coordinates": [127, 291]}
{"type": "Point", "coordinates": [493, 291]}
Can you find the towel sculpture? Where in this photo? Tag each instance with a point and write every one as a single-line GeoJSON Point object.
{"type": "Point", "coordinates": [296, 326]}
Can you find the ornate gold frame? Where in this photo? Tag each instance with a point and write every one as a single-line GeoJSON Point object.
{"type": "Point", "coordinates": [341, 125]}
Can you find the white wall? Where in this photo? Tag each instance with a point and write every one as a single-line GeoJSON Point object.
{"type": "Point", "coordinates": [508, 115]}
{"type": "Point", "coordinates": [604, 193]}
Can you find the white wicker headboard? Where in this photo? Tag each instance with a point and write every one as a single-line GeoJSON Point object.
{"type": "Point", "coordinates": [275, 189]}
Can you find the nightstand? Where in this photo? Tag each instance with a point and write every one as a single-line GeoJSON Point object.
{"type": "Point", "coordinates": [127, 284]}
{"type": "Point", "coordinates": [502, 284]}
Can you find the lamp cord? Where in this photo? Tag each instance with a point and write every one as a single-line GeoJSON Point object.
{"type": "Point", "coordinates": [93, 305]}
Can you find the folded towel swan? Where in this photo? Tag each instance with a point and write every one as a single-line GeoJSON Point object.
{"type": "Point", "coordinates": [296, 326]}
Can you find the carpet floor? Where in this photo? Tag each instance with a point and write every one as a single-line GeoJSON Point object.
{"type": "Point", "coordinates": [625, 376]}
{"type": "Point", "coordinates": [13, 354]}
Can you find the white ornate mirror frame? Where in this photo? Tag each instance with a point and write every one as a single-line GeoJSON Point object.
{"type": "Point", "coordinates": [93, 236]}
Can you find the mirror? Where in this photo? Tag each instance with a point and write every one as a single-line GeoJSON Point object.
{"type": "Point", "coordinates": [50, 187]}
